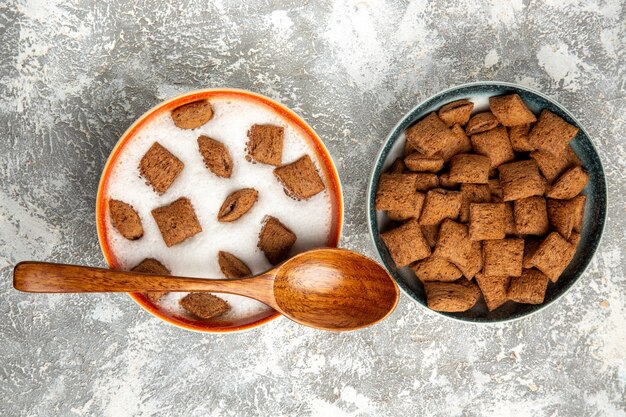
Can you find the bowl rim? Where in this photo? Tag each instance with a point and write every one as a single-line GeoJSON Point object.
{"type": "Point", "coordinates": [190, 96]}
{"type": "Point", "coordinates": [393, 135]}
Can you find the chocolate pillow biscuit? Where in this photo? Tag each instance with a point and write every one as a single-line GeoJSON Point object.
{"type": "Point", "coordinates": [456, 112]}
{"type": "Point", "coordinates": [406, 243]}
{"type": "Point", "coordinates": [177, 221]}
{"type": "Point", "coordinates": [300, 179]}
{"type": "Point", "coordinates": [275, 240]}
{"type": "Point", "coordinates": [528, 288]}
{"type": "Point", "coordinates": [160, 168]}
{"type": "Point", "coordinates": [439, 205]}
{"type": "Point", "coordinates": [511, 110]}
{"type": "Point", "coordinates": [125, 219]}
{"type": "Point", "coordinates": [503, 257]}
{"type": "Point", "coordinates": [551, 133]}
{"type": "Point", "coordinates": [494, 144]}
{"type": "Point", "coordinates": [192, 115]}
{"type": "Point", "coordinates": [265, 144]}
{"type": "Point", "coordinates": [430, 135]}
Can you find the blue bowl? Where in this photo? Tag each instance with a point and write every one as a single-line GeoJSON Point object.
{"type": "Point", "coordinates": [595, 209]}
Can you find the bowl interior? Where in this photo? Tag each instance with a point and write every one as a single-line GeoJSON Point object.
{"type": "Point", "coordinates": [595, 209]}
{"type": "Point", "coordinates": [316, 145]}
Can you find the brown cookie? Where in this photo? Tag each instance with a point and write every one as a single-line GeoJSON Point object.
{"type": "Point", "coordinates": [237, 204]}
{"type": "Point", "coordinates": [177, 221]}
{"type": "Point", "coordinates": [125, 219]}
{"type": "Point", "coordinates": [152, 266]}
{"type": "Point", "coordinates": [451, 297]}
{"type": "Point", "coordinates": [406, 243]}
{"type": "Point", "coordinates": [481, 122]}
{"type": "Point", "coordinates": [204, 305]}
{"type": "Point", "coordinates": [216, 156]}
{"type": "Point", "coordinates": [159, 167]}
{"type": "Point", "coordinates": [300, 179]}
{"type": "Point", "coordinates": [192, 115]}
{"type": "Point", "coordinates": [275, 240]}
{"type": "Point", "coordinates": [231, 266]}
{"type": "Point", "coordinates": [265, 144]}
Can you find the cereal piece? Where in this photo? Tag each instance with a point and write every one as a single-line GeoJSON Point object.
{"type": "Point", "coordinates": [503, 257]}
{"type": "Point", "coordinates": [569, 185]}
{"type": "Point", "coordinates": [408, 148]}
{"type": "Point", "coordinates": [553, 166]}
{"type": "Point", "coordinates": [401, 215]}
{"type": "Point", "coordinates": [511, 110]}
{"type": "Point", "coordinates": [553, 256]}
{"type": "Point", "coordinates": [487, 221]}
{"type": "Point", "coordinates": [275, 240]}
{"type": "Point", "coordinates": [495, 188]}
{"type": "Point", "coordinates": [265, 144]}
{"type": "Point", "coordinates": [231, 266]}
{"type": "Point", "coordinates": [551, 133]}
{"type": "Point", "coordinates": [430, 135]}
{"type": "Point", "coordinates": [406, 243]}
{"type": "Point", "coordinates": [204, 305]}
{"type": "Point", "coordinates": [192, 115]}
{"type": "Point", "coordinates": [472, 193]}
{"type": "Point", "coordinates": [474, 262]}
{"type": "Point", "coordinates": [426, 181]}
{"type": "Point", "coordinates": [518, 136]}
{"type": "Point", "coordinates": [397, 167]}
{"type": "Point", "coordinates": [520, 180]}
{"type": "Point", "coordinates": [159, 167]}
{"type": "Point", "coordinates": [494, 289]}
{"type": "Point", "coordinates": [531, 216]}
{"type": "Point", "coordinates": [125, 219]}
{"type": "Point", "coordinates": [237, 204]}
{"type": "Point", "coordinates": [495, 144]}
{"type": "Point", "coordinates": [451, 297]}
{"type": "Point", "coordinates": [439, 205]}
{"type": "Point", "coordinates": [563, 215]}
{"type": "Point", "coordinates": [481, 122]}
{"type": "Point", "coordinates": [574, 239]}
{"type": "Point", "coordinates": [434, 268]}
{"type": "Point", "coordinates": [430, 234]}
{"type": "Point", "coordinates": [456, 112]}
{"type": "Point", "coordinates": [177, 221]}
{"type": "Point", "coordinates": [300, 179]}
{"type": "Point", "coordinates": [546, 184]}
{"type": "Point", "coordinates": [454, 245]}
{"type": "Point", "coordinates": [528, 288]}
{"type": "Point", "coordinates": [579, 212]}
{"type": "Point", "coordinates": [446, 182]}
{"type": "Point", "coordinates": [469, 168]}
{"type": "Point", "coordinates": [396, 192]}
{"type": "Point", "coordinates": [421, 163]}
{"type": "Point", "coordinates": [152, 266]}
{"type": "Point", "coordinates": [509, 219]}
{"type": "Point", "coordinates": [216, 156]}
{"type": "Point", "coordinates": [461, 144]}
{"type": "Point", "coordinates": [531, 244]}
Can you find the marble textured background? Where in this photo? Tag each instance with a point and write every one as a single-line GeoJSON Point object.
{"type": "Point", "coordinates": [75, 74]}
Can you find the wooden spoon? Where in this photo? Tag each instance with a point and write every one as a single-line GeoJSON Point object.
{"type": "Point", "coordinates": [329, 289]}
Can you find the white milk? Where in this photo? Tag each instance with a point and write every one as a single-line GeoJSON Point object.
{"type": "Point", "coordinates": [310, 219]}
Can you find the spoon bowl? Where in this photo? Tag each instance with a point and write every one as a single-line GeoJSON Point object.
{"type": "Point", "coordinates": [334, 290]}
{"type": "Point", "coordinates": [328, 289]}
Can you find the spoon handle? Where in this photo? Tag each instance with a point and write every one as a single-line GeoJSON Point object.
{"type": "Point", "coordinates": [44, 277]}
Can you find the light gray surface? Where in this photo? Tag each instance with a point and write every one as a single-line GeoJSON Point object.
{"type": "Point", "coordinates": [74, 75]}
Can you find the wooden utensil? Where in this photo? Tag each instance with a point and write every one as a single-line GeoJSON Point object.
{"type": "Point", "coordinates": [329, 289]}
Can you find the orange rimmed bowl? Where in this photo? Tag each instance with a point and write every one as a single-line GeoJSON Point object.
{"type": "Point", "coordinates": [327, 166]}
